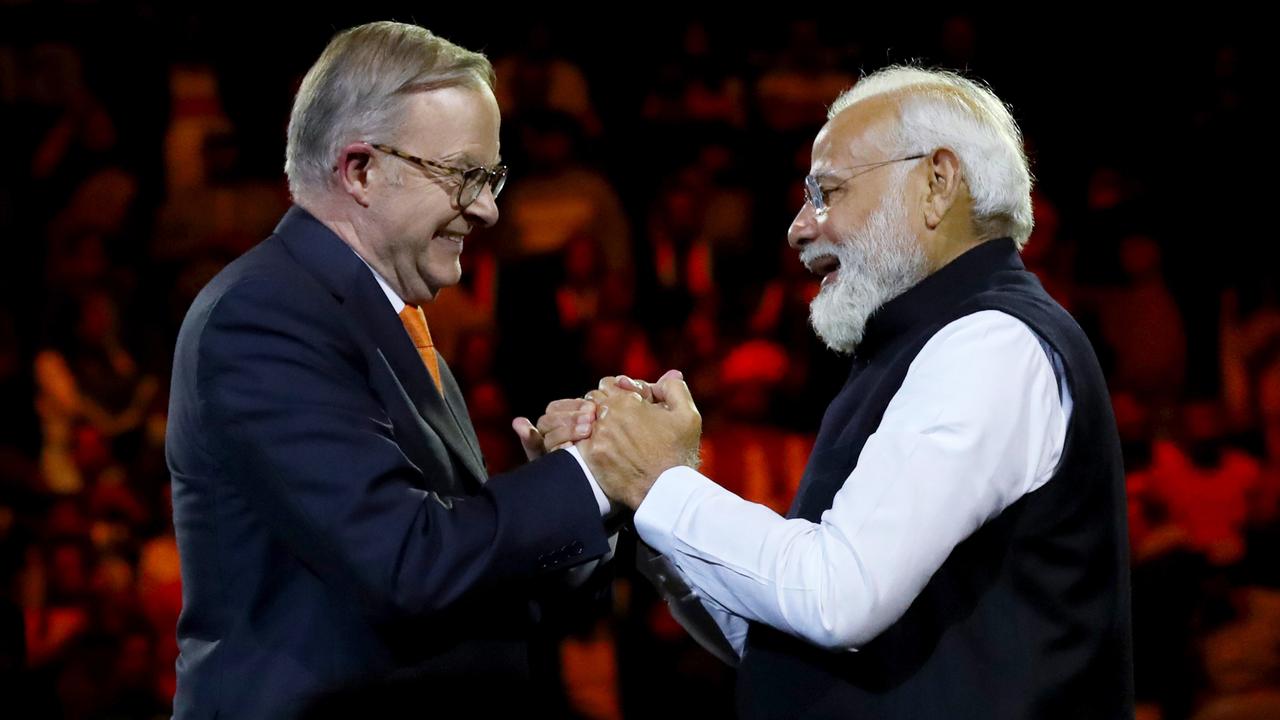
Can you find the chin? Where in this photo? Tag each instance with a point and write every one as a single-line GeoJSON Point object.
{"type": "Point", "coordinates": [441, 280]}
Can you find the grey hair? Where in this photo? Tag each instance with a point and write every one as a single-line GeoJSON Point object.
{"type": "Point", "coordinates": [940, 109]}
{"type": "Point", "coordinates": [357, 91]}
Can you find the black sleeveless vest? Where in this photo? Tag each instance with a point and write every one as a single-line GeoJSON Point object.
{"type": "Point", "coordinates": [1029, 616]}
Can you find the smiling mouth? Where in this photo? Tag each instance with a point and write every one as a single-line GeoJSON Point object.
{"type": "Point", "coordinates": [825, 266]}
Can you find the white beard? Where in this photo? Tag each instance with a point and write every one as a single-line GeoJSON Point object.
{"type": "Point", "coordinates": [878, 262]}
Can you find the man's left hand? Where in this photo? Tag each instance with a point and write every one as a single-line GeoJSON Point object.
{"type": "Point", "coordinates": [633, 441]}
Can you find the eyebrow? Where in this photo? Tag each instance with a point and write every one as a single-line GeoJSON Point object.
{"type": "Point", "coordinates": [825, 171]}
{"type": "Point", "coordinates": [840, 174]}
{"type": "Point", "coordinates": [469, 160]}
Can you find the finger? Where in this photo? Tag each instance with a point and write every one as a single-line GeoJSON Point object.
{"type": "Point", "coordinates": [530, 438]}
{"type": "Point", "coordinates": [573, 429]}
{"type": "Point", "coordinates": [610, 387]}
{"type": "Point", "coordinates": [551, 421]}
{"type": "Point", "coordinates": [572, 405]}
{"type": "Point", "coordinates": [564, 437]}
{"type": "Point", "coordinates": [639, 387]}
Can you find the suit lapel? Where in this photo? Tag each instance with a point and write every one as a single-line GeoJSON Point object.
{"type": "Point", "coordinates": [343, 272]}
{"type": "Point", "coordinates": [458, 410]}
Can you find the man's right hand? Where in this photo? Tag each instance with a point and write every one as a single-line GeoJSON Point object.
{"type": "Point", "coordinates": [564, 423]}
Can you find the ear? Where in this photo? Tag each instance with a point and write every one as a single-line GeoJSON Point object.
{"type": "Point", "coordinates": [945, 177]}
{"type": "Point", "coordinates": [353, 171]}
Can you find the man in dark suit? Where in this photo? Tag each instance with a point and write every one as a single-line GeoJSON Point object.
{"type": "Point", "coordinates": [342, 548]}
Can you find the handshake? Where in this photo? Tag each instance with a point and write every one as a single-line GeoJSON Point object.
{"type": "Point", "coordinates": [628, 431]}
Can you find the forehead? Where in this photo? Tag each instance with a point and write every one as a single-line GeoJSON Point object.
{"type": "Point", "coordinates": [459, 123]}
{"type": "Point", "coordinates": [849, 138]}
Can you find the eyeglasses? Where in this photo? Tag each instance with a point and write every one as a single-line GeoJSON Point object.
{"type": "Point", "coordinates": [816, 195]}
{"type": "Point", "coordinates": [473, 180]}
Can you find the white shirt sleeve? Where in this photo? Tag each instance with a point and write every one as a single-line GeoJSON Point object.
{"type": "Point", "coordinates": [733, 626]}
{"type": "Point", "coordinates": [578, 575]}
{"type": "Point", "coordinates": [602, 500]}
{"type": "Point", "coordinates": [976, 424]}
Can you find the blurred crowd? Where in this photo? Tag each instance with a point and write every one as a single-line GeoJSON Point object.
{"type": "Point", "coordinates": [643, 228]}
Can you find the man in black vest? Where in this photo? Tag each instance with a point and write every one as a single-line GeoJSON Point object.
{"type": "Point", "coordinates": [957, 547]}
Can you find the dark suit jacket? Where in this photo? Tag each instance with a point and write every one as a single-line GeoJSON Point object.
{"type": "Point", "coordinates": [336, 528]}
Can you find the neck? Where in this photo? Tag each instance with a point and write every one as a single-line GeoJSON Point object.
{"type": "Point", "coordinates": [946, 249]}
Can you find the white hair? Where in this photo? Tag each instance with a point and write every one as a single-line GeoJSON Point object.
{"type": "Point", "coordinates": [357, 91]}
{"type": "Point", "coordinates": [940, 109]}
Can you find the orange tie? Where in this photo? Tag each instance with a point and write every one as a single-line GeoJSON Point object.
{"type": "Point", "coordinates": [416, 323]}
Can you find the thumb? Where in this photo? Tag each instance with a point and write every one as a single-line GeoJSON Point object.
{"type": "Point", "coordinates": [530, 438]}
{"type": "Point", "coordinates": [657, 389]}
{"type": "Point", "coordinates": [674, 393]}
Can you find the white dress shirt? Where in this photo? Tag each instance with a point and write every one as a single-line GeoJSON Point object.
{"type": "Point", "coordinates": [979, 421]}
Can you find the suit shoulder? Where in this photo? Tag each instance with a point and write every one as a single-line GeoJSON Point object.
{"type": "Point", "coordinates": [263, 290]}
{"type": "Point", "coordinates": [265, 278]}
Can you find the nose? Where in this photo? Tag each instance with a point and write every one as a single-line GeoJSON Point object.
{"type": "Point", "coordinates": [483, 210]}
{"type": "Point", "coordinates": [804, 228]}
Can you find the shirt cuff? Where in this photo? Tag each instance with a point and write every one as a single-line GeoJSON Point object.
{"type": "Point", "coordinates": [660, 511]}
{"type": "Point", "coordinates": [601, 499]}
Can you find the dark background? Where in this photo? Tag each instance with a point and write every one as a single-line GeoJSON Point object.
{"type": "Point", "coordinates": [655, 164]}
